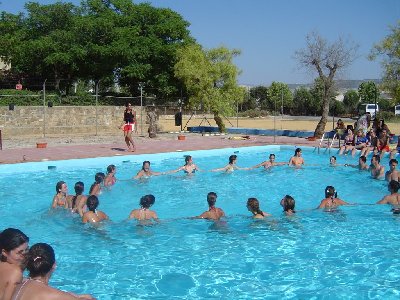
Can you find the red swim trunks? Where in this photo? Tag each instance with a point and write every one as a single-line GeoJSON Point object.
{"type": "Point", "coordinates": [386, 148]}
{"type": "Point", "coordinates": [129, 127]}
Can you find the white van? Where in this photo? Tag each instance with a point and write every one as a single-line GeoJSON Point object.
{"type": "Point", "coordinates": [368, 107]}
{"type": "Point", "coordinates": [397, 110]}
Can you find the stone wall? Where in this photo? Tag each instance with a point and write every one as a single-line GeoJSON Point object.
{"type": "Point", "coordinates": [37, 120]}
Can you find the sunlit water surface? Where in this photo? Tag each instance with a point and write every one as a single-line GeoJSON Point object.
{"type": "Point", "coordinates": [352, 253]}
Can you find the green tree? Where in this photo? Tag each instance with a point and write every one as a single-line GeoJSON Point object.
{"type": "Point", "coordinates": [368, 92]}
{"type": "Point", "coordinates": [326, 59]}
{"type": "Point", "coordinates": [260, 95]}
{"type": "Point", "coordinates": [389, 49]}
{"type": "Point", "coordinates": [350, 101]}
{"type": "Point", "coordinates": [210, 79]}
{"type": "Point", "coordinates": [280, 97]}
{"type": "Point", "coordinates": [302, 102]}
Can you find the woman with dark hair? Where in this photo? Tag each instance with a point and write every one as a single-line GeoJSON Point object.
{"type": "Point", "coordinates": [254, 207]}
{"type": "Point", "coordinates": [213, 213]}
{"type": "Point", "coordinates": [288, 205]}
{"type": "Point", "coordinates": [144, 213]}
{"type": "Point", "coordinates": [13, 247]}
{"type": "Point", "coordinates": [77, 203]}
{"type": "Point", "coordinates": [189, 167]}
{"type": "Point", "coordinates": [60, 198]}
{"type": "Point", "coordinates": [110, 178]}
{"type": "Point", "coordinates": [128, 126]}
{"type": "Point", "coordinates": [296, 160]}
{"type": "Point", "coordinates": [146, 171]}
{"type": "Point", "coordinates": [41, 264]}
{"type": "Point", "coordinates": [95, 188]}
{"type": "Point", "coordinates": [93, 215]}
{"type": "Point", "coordinates": [331, 200]}
{"type": "Point", "coordinates": [231, 166]}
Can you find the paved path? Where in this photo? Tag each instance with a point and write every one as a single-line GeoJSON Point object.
{"type": "Point", "coordinates": [143, 146]}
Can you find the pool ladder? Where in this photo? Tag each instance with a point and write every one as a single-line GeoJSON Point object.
{"type": "Point", "coordinates": [326, 137]}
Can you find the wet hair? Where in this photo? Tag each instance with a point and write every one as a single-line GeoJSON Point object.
{"type": "Point", "coordinates": [232, 158]}
{"type": "Point", "coordinates": [187, 158]}
{"type": "Point", "coordinates": [393, 160]}
{"type": "Point", "coordinates": [147, 200]}
{"type": "Point", "coordinates": [330, 192]}
{"type": "Point", "coordinates": [98, 178]}
{"type": "Point", "coordinates": [297, 150]}
{"type": "Point", "coordinates": [79, 188]}
{"type": "Point", "coordinates": [40, 260]}
{"type": "Point", "coordinates": [10, 239]}
{"type": "Point", "coordinates": [92, 202]}
{"type": "Point", "coordinates": [211, 198]}
{"type": "Point", "coordinates": [145, 162]}
{"type": "Point", "coordinates": [288, 203]}
{"type": "Point", "coordinates": [394, 186]}
{"type": "Point", "coordinates": [271, 155]}
{"type": "Point", "coordinates": [363, 158]}
{"type": "Point", "coordinates": [334, 157]}
{"type": "Point", "coordinates": [59, 186]}
{"type": "Point", "coordinates": [254, 205]}
{"type": "Point", "coordinates": [110, 168]}
{"type": "Point", "coordinates": [377, 158]}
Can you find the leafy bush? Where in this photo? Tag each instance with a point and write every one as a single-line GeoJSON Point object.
{"type": "Point", "coordinates": [387, 116]}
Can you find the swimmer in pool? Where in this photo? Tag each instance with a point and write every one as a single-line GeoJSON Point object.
{"type": "Point", "coordinates": [146, 171]}
{"type": "Point", "coordinates": [362, 164]}
{"type": "Point", "coordinates": [377, 170]}
{"type": "Point", "coordinates": [231, 166]}
{"type": "Point", "coordinates": [270, 163]}
{"type": "Point", "coordinates": [60, 199]}
{"type": "Point", "coordinates": [394, 197]}
{"type": "Point", "coordinates": [213, 213]}
{"type": "Point", "coordinates": [331, 201]}
{"type": "Point", "coordinates": [95, 189]}
{"type": "Point", "coordinates": [93, 215]}
{"type": "Point", "coordinates": [144, 213]}
{"type": "Point", "coordinates": [253, 206]}
{"type": "Point", "coordinates": [297, 160]}
{"type": "Point", "coordinates": [189, 168]}
{"type": "Point", "coordinates": [110, 179]}
{"type": "Point", "coordinates": [288, 203]}
{"type": "Point", "coordinates": [392, 174]}
{"type": "Point", "coordinates": [77, 203]}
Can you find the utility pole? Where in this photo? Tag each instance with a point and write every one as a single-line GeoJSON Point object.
{"type": "Point", "coordinates": [141, 85]}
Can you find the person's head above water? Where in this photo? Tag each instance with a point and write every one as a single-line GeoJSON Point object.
{"type": "Point", "coordinates": [41, 260]}
{"type": "Point", "coordinates": [254, 206]}
{"type": "Point", "coordinates": [288, 203]}
{"type": "Point", "coordinates": [211, 198]}
{"type": "Point", "coordinates": [272, 156]}
{"type": "Point", "coordinates": [59, 186]}
{"type": "Point", "coordinates": [332, 160]}
{"type": "Point", "coordinates": [99, 177]}
{"type": "Point", "coordinates": [297, 151]}
{"type": "Point", "coordinates": [79, 187]}
{"type": "Point", "coordinates": [330, 192]}
{"type": "Point", "coordinates": [92, 202]}
{"type": "Point", "coordinates": [110, 169]}
{"type": "Point", "coordinates": [11, 239]}
{"type": "Point", "coordinates": [232, 158]}
{"type": "Point", "coordinates": [188, 159]}
{"type": "Point", "coordinates": [393, 186]}
{"type": "Point", "coordinates": [147, 200]}
{"type": "Point", "coordinates": [146, 165]}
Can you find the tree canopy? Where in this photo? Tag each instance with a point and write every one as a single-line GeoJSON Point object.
{"type": "Point", "coordinates": [389, 50]}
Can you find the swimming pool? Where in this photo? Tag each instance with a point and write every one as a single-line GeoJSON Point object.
{"type": "Point", "coordinates": [349, 254]}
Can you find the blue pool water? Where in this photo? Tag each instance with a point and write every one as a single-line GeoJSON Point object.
{"type": "Point", "coordinates": [349, 254]}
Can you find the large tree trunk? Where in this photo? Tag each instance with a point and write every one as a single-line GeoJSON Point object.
{"type": "Point", "coordinates": [320, 129]}
{"type": "Point", "coordinates": [219, 121]}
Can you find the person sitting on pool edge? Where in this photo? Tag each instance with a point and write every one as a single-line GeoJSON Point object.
{"type": "Point", "coordinates": [144, 213]}
{"type": "Point", "coordinates": [213, 213]}
{"type": "Point", "coordinates": [269, 163]}
{"type": "Point", "coordinates": [93, 215]}
{"type": "Point", "coordinates": [253, 206]}
{"type": "Point", "coordinates": [331, 200]}
{"type": "Point", "coordinates": [394, 197]}
{"type": "Point", "coordinates": [41, 264]}
{"type": "Point", "coordinates": [296, 160]}
{"type": "Point", "coordinates": [231, 166]}
{"type": "Point", "coordinates": [288, 203]}
{"type": "Point", "coordinates": [146, 171]}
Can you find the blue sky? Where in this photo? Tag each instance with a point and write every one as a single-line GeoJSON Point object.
{"type": "Point", "coordinates": [268, 32]}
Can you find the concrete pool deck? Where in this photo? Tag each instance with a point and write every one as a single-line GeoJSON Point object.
{"type": "Point", "coordinates": [116, 146]}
